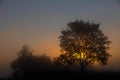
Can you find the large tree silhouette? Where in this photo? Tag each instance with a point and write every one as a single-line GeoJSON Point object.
{"type": "Point", "coordinates": [83, 43]}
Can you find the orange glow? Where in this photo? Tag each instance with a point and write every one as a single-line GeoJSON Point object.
{"type": "Point", "coordinates": [50, 48]}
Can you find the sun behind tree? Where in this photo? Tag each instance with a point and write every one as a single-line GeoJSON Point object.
{"type": "Point", "coordinates": [83, 43]}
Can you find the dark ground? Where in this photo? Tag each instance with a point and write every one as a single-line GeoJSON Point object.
{"type": "Point", "coordinates": [69, 75]}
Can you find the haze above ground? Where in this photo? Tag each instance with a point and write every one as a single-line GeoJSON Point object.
{"type": "Point", "coordinates": [38, 23]}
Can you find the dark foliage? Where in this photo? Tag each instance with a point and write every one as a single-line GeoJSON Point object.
{"type": "Point", "coordinates": [82, 43]}
{"type": "Point", "coordinates": [27, 66]}
{"type": "Point", "coordinates": [30, 67]}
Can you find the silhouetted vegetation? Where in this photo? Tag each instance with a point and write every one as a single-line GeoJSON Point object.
{"type": "Point", "coordinates": [83, 43]}
{"type": "Point", "coordinates": [29, 67]}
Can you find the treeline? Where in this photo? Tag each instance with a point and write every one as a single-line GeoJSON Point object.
{"type": "Point", "coordinates": [27, 66]}
{"type": "Point", "coordinates": [30, 67]}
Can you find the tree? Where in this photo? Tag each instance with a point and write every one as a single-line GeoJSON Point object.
{"type": "Point", "coordinates": [23, 62]}
{"type": "Point", "coordinates": [83, 43]}
{"type": "Point", "coordinates": [29, 67]}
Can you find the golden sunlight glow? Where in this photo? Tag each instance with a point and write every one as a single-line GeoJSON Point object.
{"type": "Point", "coordinates": [82, 55]}
{"type": "Point", "coordinates": [76, 55]}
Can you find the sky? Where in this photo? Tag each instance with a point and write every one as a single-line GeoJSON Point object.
{"type": "Point", "coordinates": [38, 23]}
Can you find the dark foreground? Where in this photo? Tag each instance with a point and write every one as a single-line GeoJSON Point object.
{"type": "Point", "coordinates": [67, 75]}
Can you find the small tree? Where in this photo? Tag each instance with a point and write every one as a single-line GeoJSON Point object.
{"type": "Point", "coordinates": [23, 62]}
{"type": "Point", "coordinates": [83, 43]}
{"type": "Point", "coordinates": [27, 66]}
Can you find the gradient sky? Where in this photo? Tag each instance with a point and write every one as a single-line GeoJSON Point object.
{"type": "Point", "coordinates": [38, 23]}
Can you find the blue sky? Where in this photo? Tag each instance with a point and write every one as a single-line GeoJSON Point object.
{"type": "Point", "coordinates": [38, 23]}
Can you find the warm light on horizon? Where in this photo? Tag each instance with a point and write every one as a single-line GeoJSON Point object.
{"type": "Point", "coordinates": [38, 23]}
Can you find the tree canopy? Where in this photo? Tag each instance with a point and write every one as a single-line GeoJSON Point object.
{"type": "Point", "coordinates": [83, 43]}
{"type": "Point", "coordinates": [28, 66]}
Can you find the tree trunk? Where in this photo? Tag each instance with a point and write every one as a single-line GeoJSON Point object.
{"type": "Point", "coordinates": [82, 71]}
